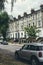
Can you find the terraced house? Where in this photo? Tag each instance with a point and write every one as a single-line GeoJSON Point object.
{"type": "Point", "coordinates": [16, 26]}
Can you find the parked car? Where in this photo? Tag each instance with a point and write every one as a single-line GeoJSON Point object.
{"type": "Point", "coordinates": [4, 43]}
{"type": "Point", "coordinates": [32, 52]}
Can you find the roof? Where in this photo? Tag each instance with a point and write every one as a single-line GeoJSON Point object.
{"type": "Point", "coordinates": [35, 44]}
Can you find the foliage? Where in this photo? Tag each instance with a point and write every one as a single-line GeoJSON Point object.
{"type": "Point", "coordinates": [12, 4]}
{"type": "Point", "coordinates": [4, 18]}
{"type": "Point", "coordinates": [2, 4]}
{"type": "Point", "coordinates": [32, 31]}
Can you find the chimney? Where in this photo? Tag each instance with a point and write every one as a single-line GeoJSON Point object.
{"type": "Point", "coordinates": [25, 14]}
{"type": "Point", "coordinates": [41, 7]}
{"type": "Point", "coordinates": [19, 16]}
{"type": "Point", "coordinates": [14, 18]}
{"type": "Point", "coordinates": [32, 11]}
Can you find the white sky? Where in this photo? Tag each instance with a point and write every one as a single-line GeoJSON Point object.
{"type": "Point", "coordinates": [21, 7]}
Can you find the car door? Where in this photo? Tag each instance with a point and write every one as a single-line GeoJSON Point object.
{"type": "Point", "coordinates": [22, 52]}
{"type": "Point", "coordinates": [29, 51]}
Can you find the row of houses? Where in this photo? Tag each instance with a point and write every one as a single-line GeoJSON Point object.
{"type": "Point", "coordinates": [16, 26]}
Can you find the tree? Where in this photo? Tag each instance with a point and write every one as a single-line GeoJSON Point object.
{"type": "Point", "coordinates": [32, 32]}
{"type": "Point", "coordinates": [2, 4]}
{"type": "Point", "coordinates": [12, 4]}
{"type": "Point", "coordinates": [4, 20]}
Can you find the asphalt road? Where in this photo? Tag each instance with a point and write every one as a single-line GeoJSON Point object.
{"type": "Point", "coordinates": [10, 50]}
{"type": "Point", "coordinates": [11, 47]}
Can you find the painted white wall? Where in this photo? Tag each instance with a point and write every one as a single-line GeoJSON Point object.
{"type": "Point", "coordinates": [16, 26]}
{"type": "Point", "coordinates": [21, 36]}
{"type": "Point", "coordinates": [41, 32]}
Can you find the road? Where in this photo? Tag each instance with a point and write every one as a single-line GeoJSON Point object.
{"type": "Point", "coordinates": [11, 47]}
{"type": "Point", "coordinates": [9, 50]}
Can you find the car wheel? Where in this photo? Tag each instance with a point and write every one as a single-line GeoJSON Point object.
{"type": "Point", "coordinates": [16, 56]}
{"type": "Point", "coordinates": [34, 61]}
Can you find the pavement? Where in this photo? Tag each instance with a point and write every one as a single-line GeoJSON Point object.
{"type": "Point", "coordinates": [16, 44]}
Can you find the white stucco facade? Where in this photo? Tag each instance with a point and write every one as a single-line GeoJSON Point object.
{"type": "Point", "coordinates": [16, 27]}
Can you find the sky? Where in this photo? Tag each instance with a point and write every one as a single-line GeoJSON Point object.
{"type": "Point", "coordinates": [22, 6]}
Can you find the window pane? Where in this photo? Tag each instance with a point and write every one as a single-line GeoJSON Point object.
{"type": "Point", "coordinates": [25, 47]}
{"type": "Point", "coordinates": [38, 48]}
{"type": "Point", "coordinates": [32, 47]}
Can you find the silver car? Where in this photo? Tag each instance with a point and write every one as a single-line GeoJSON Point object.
{"type": "Point", "coordinates": [32, 52]}
{"type": "Point", "coordinates": [4, 43]}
